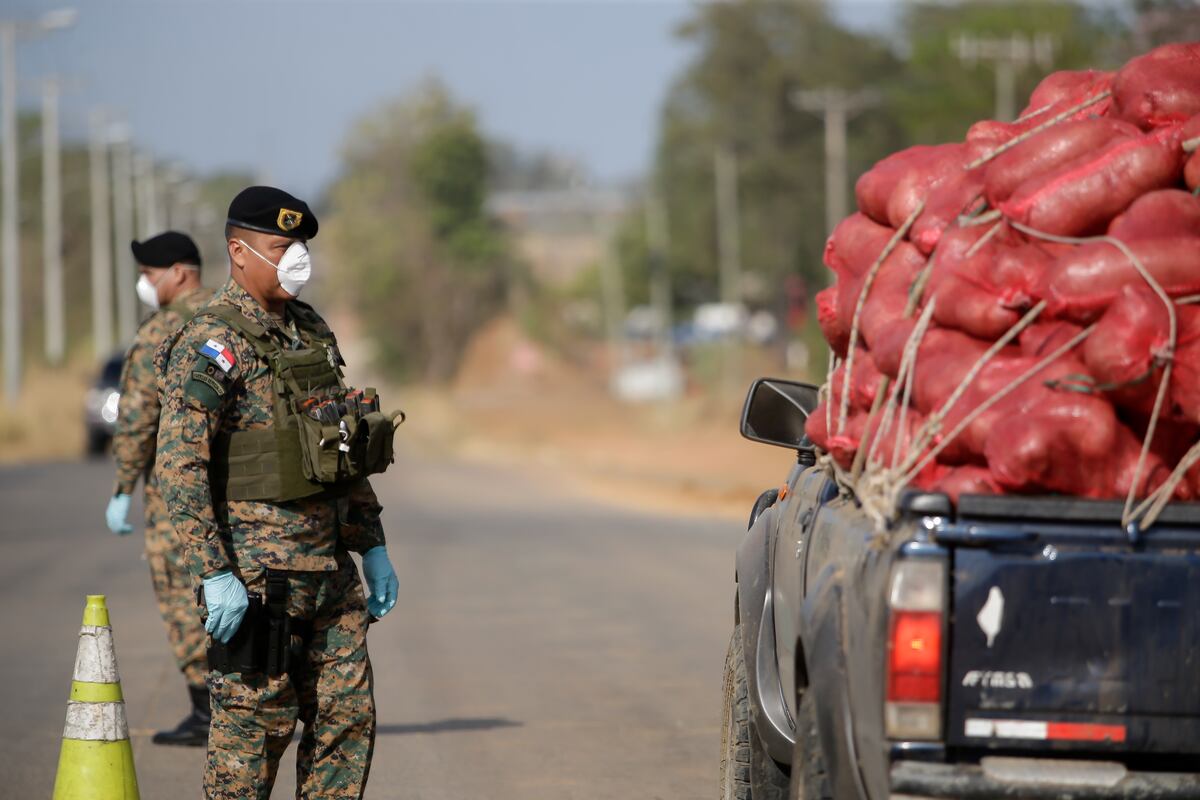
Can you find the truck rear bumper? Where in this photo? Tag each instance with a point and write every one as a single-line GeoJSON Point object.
{"type": "Point", "coordinates": [997, 778]}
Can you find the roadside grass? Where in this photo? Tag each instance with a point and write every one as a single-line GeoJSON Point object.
{"type": "Point", "coordinates": [46, 423]}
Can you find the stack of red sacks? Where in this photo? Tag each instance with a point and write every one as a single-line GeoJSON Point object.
{"type": "Point", "coordinates": [989, 222]}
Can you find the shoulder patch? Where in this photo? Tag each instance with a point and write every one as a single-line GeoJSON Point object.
{"type": "Point", "coordinates": [207, 381]}
{"type": "Point", "coordinates": [219, 354]}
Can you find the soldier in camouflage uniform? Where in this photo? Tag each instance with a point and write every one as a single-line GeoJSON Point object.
{"type": "Point", "coordinates": [170, 284]}
{"type": "Point", "coordinates": [254, 519]}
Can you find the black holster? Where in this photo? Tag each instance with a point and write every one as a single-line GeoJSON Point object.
{"type": "Point", "coordinates": [268, 641]}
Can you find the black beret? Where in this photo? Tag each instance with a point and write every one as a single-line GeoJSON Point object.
{"type": "Point", "coordinates": [165, 250]}
{"type": "Point", "coordinates": [270, 210]}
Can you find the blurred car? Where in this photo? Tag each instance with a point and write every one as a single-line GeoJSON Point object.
{"type": "Point", "coordinates": [100, 404]}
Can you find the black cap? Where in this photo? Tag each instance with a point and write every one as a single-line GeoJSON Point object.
{"type": "Point", "coordinates": [165, 250]}
{"type": "Point", "coordinates": [270, 210]}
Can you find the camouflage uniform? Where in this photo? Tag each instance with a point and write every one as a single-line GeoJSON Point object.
{"type": "Point", "coordinates": [133, 447]}
{"type": "Point", "coordinates": [254, 716]}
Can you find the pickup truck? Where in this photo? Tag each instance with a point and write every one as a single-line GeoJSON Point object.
{"type": "Point", "coordinates": [1000, 647]}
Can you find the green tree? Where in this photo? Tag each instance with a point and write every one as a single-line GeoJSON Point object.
{"type": "Point", "coordinates": [752, 57]}
{"type": "Point", "coordinates": [425, 265]}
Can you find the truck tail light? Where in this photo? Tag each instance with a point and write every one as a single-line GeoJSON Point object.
{"type": "Point", "coordinates": [916, 602]}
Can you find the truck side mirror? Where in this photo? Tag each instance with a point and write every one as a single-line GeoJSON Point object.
{"type": "Point", "coordinates": [776, 411]}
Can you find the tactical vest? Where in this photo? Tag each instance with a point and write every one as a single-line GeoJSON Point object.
{"type": "Point", "coordinates": [324, 438]}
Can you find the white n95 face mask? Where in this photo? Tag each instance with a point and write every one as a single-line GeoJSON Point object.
{"type": "Point", "coordinates": [147, 292]}
{"type": "Point", "coordinates": [295, 268]}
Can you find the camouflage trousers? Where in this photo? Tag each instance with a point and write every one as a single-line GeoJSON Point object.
{"type": "Point", "coordinates": [331, 692]}
{"type": "Point", "coordinates": [175, 593]}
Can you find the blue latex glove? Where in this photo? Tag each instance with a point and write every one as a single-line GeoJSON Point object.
{"type": "Point", "coordinates": [382, 583]}
{"type": "Point", "coordinates": [226, 601]}
{"type": "Point", "coordinates": [117, 514]}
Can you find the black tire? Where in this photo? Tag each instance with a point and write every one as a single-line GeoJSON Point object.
{"type": "Point", "coordinates": [810, 781]}
{"type": "Point", "coordinates": [747, 771]}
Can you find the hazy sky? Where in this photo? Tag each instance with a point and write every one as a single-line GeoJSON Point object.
{"type": "Point", "coordinates": [272, 86]}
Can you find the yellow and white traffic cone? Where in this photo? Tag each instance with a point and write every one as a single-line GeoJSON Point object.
{"type": "Point", "coordinates": [96, 762]}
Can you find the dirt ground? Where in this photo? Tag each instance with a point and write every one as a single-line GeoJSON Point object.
{"type": "Point", "coordinates": [515, 403]}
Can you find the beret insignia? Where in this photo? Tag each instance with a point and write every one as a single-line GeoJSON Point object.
{"type": "Point", "coordinates": [289, 220]}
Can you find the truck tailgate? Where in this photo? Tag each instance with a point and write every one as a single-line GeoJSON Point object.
{"type": "Point", "coordinates": [1076, 642]}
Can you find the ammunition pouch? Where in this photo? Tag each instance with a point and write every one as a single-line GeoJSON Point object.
{"type": "Point", "coordinates": [268, 641]}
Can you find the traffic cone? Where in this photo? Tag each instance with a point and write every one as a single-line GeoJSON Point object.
{"type": "Point", "coordinates": [96, 761]}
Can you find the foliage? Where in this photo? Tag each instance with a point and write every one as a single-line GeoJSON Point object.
{"type": "Point", "coordinates": [424, 264]}
{"type": "Point", "coordinates": [751, 58]}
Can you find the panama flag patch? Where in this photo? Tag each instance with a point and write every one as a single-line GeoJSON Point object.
{"type": "Point", "coordinates": [219, 353]}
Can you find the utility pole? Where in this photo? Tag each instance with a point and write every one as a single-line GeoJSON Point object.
{"type": "Point", "coordinates": [612, 294]}
{"type": "Point", "coordinates": [102, 285]}
{"type": "Point", "coordinates": [11, 255]}
{"type": "Point", "coordinates": [1008, 56]}
{"type": "Point", "coordinates": [147, 202]}
{"type": "Point", "coordinates": [836, 106]}
{"type": "Point", "coordinates": [52, 247]}
{"type": "Point", "coordinates": [729, 239]}
{"type": "Point", "coordinates": [126, 272]}
{"type": "Point", "coordinates": [660, 277]}
{"type": "Point", "coordinates": [10, 249]}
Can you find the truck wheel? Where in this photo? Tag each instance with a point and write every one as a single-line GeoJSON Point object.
{"type": "Point", "coordinates": [809, 779]}
{"type": "Point", "coordinates": [747, 771]}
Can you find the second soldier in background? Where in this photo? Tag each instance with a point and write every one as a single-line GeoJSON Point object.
{"type": "Point", "coordinates": [170, 285]}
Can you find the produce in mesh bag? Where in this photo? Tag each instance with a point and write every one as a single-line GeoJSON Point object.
{"type": "Point", "coordinates": [907, 172]}
{"type": "Point", "coordinates": [1124, 354]}
{"type": "Point", "coordinates": [1081, 196]}
{"type": "Point", "coordinates": [954, 197]}
{"type": "Point", "coordinates": [1097, 154]}
{"type": "Point", "coordinates": [985, 292]}
{"type": "Point", "coordinates": [1160, 87]}
{"type": "Point", "coordinates": [1065, 89]}
{"type": "Point", "coordinates": [1061, 449]}
{"type": "Point", "coordinates": [1081, 284]}
{"type": "Point", "coordinates": [957, 481]}
{"type": "Point", "coordinates": [1048, 150]}
{"type": "Point", "coordinates": [835, 332]}
{"type": "Point", "coordinates": [1156, 215]}
{"type": "Point", "coordinates": [1043, 338]}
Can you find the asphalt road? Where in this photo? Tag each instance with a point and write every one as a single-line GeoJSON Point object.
{"type": "Point", "coordinates": [544, 646]}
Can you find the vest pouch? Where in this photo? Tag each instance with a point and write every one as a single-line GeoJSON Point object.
{"type": "Point", "coordinates": [372, 447]}
{"type": "Point", "coordinates": [319, 450]}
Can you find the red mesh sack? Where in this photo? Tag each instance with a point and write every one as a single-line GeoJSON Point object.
{"type": "Point", "coordinates": [864, 382]}
{"type": "Point", "coordinates": [855, 244]}
{"type": "Point", "coordinates": [916, 185]}
{"type": "Point", "coordinates": [1042, 338]}
{"type": "Point", "coordinates": [957, 195]}
{"type": "Point", "coordinates": [1120, 354]}
{"type": "Point", "coordinates": [1165, 213]}
{"type": "Point", "coordinates": [835, 333]}
{"type": "Point", "coordinates": [875, 188]}
{"type": "Point", "coordinates": [957, 481]}
{"type": "Point", "coordinates": [1084, 282]}
{"type": "Point", "coordinates": [1160, 87]}
{"type": "Point", "coordinates": [986, 293]}
{"type": "Point", "coordinates": [888, 298]}
{"type": "Point", "coordinates": [1067, 443]}
{"type": "Point", "coordinates": [1064, 89]}
{"type": "Point", "coordinates": [1048, 150]}
{"type": "Point", "coordinates": [843, 446]}
{"type": "Point", "coordinates": [1081, 196]}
